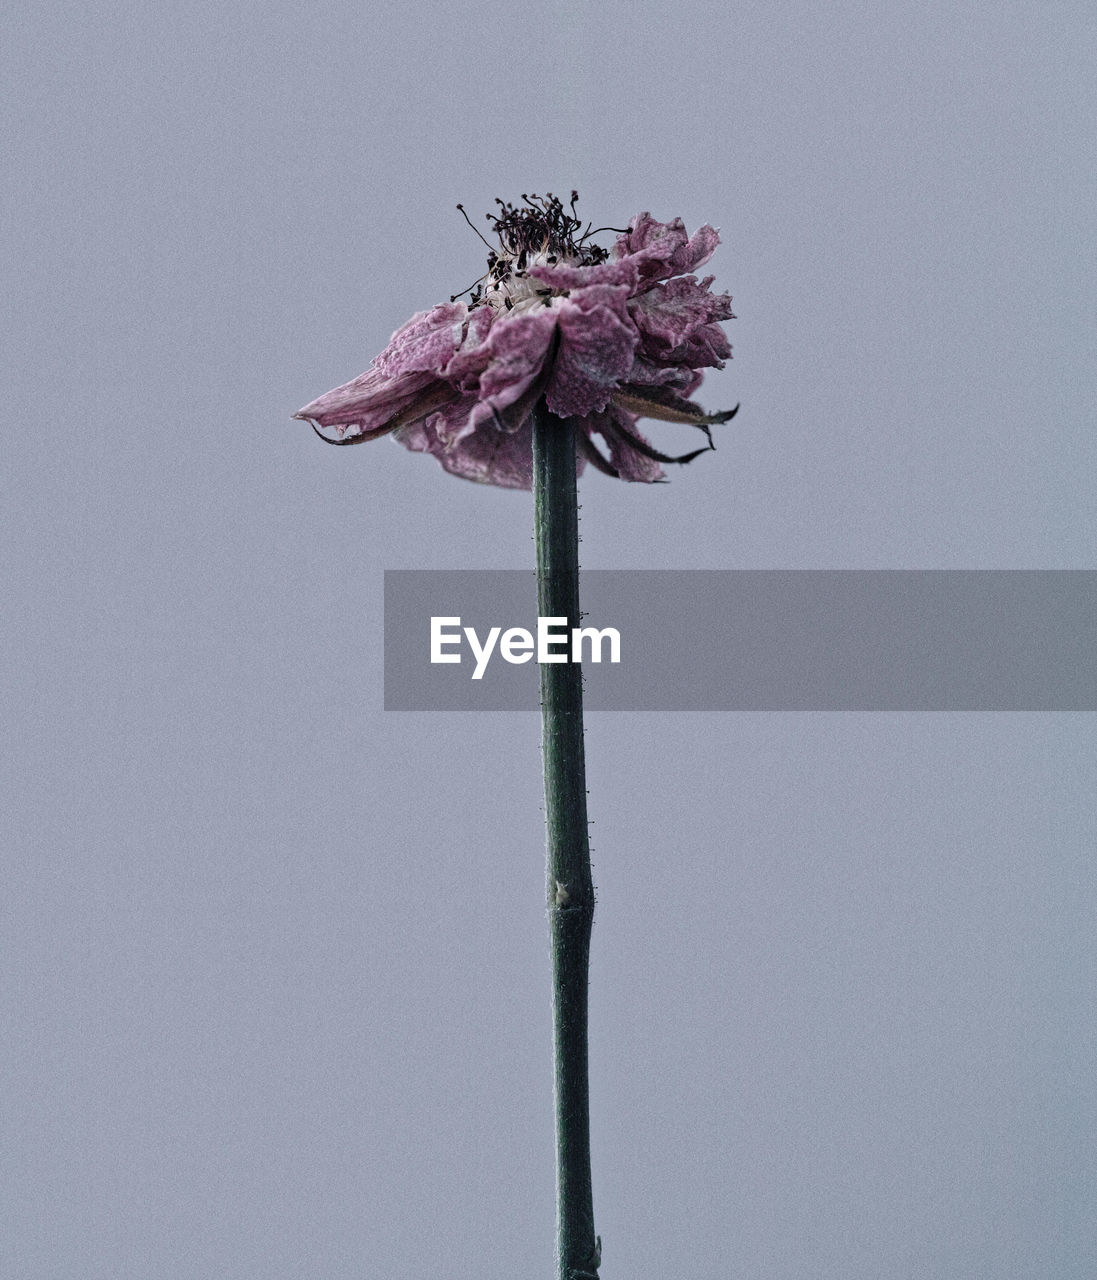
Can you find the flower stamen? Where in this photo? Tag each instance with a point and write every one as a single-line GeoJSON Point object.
{"type": "Point", "coordinates": [537, 233]}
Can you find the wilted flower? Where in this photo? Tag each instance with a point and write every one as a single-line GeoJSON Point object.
{"type": "Point", "coordinates": [604, 337]}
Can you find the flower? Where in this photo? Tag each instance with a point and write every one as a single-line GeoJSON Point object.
{"type": "Point", "coordinates": [604, 337]}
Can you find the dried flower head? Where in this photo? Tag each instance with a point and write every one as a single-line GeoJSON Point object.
{"type": "Point", "coordinates": [604, 337]}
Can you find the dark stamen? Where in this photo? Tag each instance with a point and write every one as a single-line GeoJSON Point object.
{"type": "Point", "coordinates": [541, 225]}
{"type": "Point", "coordinates": [469, 221]}
{"type": "Point", "coordinates": [541, 228]}
{"type": "Point", "coordinates": [454, 296]}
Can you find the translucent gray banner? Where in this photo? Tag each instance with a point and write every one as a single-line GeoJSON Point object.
{"type": "Point", "coordinates": [752, 640]}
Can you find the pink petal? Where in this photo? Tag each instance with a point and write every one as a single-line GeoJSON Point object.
{"type": "Point", "coordinates": [428, 341]}
{"type": "Point", "coordinates": [597, 341]}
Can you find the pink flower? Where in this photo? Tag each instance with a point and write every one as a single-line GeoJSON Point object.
{"type": "Point", "coordinates": [603, 337]}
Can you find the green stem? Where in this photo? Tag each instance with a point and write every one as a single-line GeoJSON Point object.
{"type": "Point", "coordinates": [570, 887]}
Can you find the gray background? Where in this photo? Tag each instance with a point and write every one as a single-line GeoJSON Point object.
{"type": "Point", "coordinates": [274, 962]}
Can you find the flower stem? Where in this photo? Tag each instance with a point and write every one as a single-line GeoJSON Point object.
{"type": "Point", "coordinates": [570, 887]}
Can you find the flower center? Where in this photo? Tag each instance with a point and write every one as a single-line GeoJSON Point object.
{"type": "Point", "coordinates": [508, 286]}
{"type": "Point", "coordinates": [537, 233]}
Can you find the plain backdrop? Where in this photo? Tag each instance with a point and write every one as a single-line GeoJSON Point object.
{"type": "Point", "coordinates": [275, 971]}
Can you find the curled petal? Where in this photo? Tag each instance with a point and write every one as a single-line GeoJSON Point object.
{"type": "Point", "coordinates": [403, 380]}
{"type": "Point", "coordinates": [427, 342]}
{"type": "Point", "coordinates": [510, 417]}
{"type": "Point", "coordinates": [597, 341]}
{"type": "Point", "coordinates": [708, 347]}
{"type": "Point", "coordinates": [664, 404]}
{"type": "Point", "coordinates": [589, 452]}
{"type": "Point", "coordinates": [518, 349]}
{"type": "Point", "coordinates": [369, 402]}
{"type": "Point", "coordinates": [485, 455]}
{"type": "Point", "coordinates": [562, 277]}
{"type": "Point", "coordinates": [619, 432]}
{"type": "Point", "coordinates": [662, 249]}
{"type": "Point", "coordinates": [633, 440]}
{"type": "Point", "coordinates": [474, 355]}
{"type": "Point", "coordinates": [675, 321]}
{"type": "Point", "coordinates": [426, 403]}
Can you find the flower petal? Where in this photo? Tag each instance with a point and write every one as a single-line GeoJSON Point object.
{"type": "Point", "coordinates": [676, 323]}
{"type": "Point", "coordinates": [474, 355]}
{"type": "Point", "coordinates": [484, 455]}
{"type": "Point", "coordinates": [518, 345]}
{"type": "Point", "coordinates": [662, 249]}
{"type": "Point", "coordinates": [597, 341]}
{"type": "Point", "coordinates": [563, 277]}
{"type": "Point", "coordinates": [619, 432]}
{"type": "Point", "coordinates": [667, 406]}
{"type": "Point", "coordinates": [438, 396]}
{"type": "Point", "coordinates": [428, 341]}
{"type": "Point", "coordinates": [368, 402]}
{"type": "Point", "coordinates": [403, 380]}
